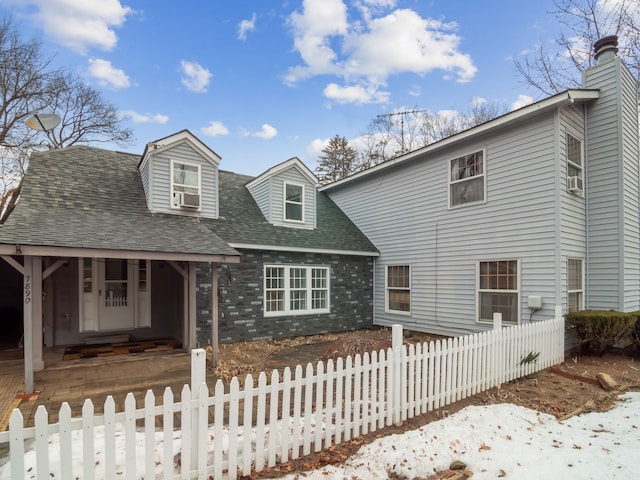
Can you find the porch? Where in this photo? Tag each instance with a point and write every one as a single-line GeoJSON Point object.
{"type": "Point", "coordinates": [73, 381]}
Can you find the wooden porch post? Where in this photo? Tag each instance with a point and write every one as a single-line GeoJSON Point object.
{"type": "Point", "coordinates": [38, 363]}
{"type": "Point", "coordinates": [27, 292]}
{"type": "Point", "coordinates": [191, 299]}
{"type": "Point", "coordinates": [214, 314]}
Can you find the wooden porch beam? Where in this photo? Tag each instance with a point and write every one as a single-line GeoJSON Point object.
{"type": "Point", "coordinates": [178, 268]}
{"type": "Point", "coordinates": [13, 262]}
{"type": "Point", "coordinates": [52, 268]}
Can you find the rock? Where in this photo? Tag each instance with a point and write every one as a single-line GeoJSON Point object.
{"type": "Point", "coordinates": [606, 381]}
{"type": "Point", "coordinates": [457, 465]}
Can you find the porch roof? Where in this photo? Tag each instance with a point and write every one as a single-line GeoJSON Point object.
{"type": "Point", "coordinates": [89, 198]}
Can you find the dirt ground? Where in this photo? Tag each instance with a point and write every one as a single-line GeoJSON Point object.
{"type": "Point", "coordinates": [564, 390]}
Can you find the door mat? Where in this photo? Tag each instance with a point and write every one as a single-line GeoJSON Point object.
{"type": "Point", "coordinates": [75, 352]}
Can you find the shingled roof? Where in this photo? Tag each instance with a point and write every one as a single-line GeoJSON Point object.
{"type": "Point", "coordinates": [91, 198]}
{"type": "Point", "coordinates": [86, 197]}
{"type": "Point", "coordinates": [242, 222]}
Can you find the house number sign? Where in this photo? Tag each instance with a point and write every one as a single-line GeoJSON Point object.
{"type": "Point", "coordinates": [27, 289]}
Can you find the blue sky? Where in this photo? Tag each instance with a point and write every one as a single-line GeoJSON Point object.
{"type": "Point", "coordinates": [262, 81]}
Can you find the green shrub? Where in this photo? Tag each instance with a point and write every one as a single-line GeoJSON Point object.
{"type": "Point", "coordinates": [597, 331]}
{"type": "Point", "coordinates": [635, 333]}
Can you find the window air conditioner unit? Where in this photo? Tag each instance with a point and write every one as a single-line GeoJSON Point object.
{"type": "Point", "coordinates": [188, 200]}
{"type": "Point", "coordinates": [574, 184]}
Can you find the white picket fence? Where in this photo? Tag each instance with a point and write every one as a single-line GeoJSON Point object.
{"type": "Point", "coordinates": [238, 430]}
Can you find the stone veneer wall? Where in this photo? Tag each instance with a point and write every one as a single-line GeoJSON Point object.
{"type": "Point", "coordinates": [241, 296]}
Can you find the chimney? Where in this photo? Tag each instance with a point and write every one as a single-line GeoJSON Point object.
{"type": "Point", "coordinates": [606, 48]}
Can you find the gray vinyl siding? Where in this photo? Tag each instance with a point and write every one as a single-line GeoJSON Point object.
{"type": "Point", "coordinates": [269, 195]}
{"type": "Point", "coordinates": [631, 174]}
{"type": "Point", "coordinates": [261, 193]}
{"type": "Point", "coordinates": [144, 176]}
{"type": "Point", "coordinates": [612, 190]}
{"type": "Point", "coordinates": [160, 169]}
{"type": "Point", "coordinates": [404, 212]}
{"type": "Point", "coordinates": [572, 213]}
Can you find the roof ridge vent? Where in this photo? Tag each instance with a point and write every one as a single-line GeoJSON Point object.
{"type": "Point", "coordinates": [606, 48]}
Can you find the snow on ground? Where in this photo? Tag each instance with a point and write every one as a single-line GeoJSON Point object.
{"type": "Point", "coordinates": [507, 441]}
{"type": "Point", "coordinates": [502, 440]}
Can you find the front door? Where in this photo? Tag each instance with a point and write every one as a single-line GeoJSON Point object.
{"type": "Point", "coordinates": [116, 294]}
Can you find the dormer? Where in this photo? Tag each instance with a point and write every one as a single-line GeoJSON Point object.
{"type": "Point", "coordinates": [180, 176]}
{"type": "Point", "coordinates": [286, 194]}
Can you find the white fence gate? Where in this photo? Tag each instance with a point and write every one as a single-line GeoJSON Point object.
{"type": "Point", "coordinates": [279, 418]}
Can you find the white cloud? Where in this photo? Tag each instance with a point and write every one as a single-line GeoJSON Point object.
{"type": "Point", "coordinates": [360, 94]}
{"type": "Point", "coordinates": [80, 24]}
{"type": "Point", "coordinates": [367, 45]}
{"type": "Point", "coordinates": [144, 117]}
{"type": "Point", "coordinates": [215, 129]}
{"type": "Point", "coordinates": [246, 26]}
{"type": "Point", "coordinates": [195, 77]}
{"type": "Point", "coordinates": [522, 101]}
{"type": "Point", "coordinates": [266, 132]}
{"type": "Point", "coordinates": [107, 74]}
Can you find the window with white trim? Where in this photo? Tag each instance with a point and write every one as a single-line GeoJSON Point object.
{"type": "Point", "coordinates": [467, 179]}
{"type": "Point", "coordinates": [398, 282]}
{"type": "Point", "coordinates": [575, 290]}
{"type": "Point", "coordinates": [575, 173]}
{"type": "Point", "coordinates": [498, 290]}
{"type": "Point", "coordinates": [185, 184]}
{"type": "Point", "coordinates": [295, 289]}
{"type": "Point", "coordinates": [294, 202]}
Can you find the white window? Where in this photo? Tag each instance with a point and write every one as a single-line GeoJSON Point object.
{"type": "Point", "coordinates": [575, 173]}
{"type": "Point", "coordinates": [185, 185]}
{"type": "Point", "coordinates": [467, 179]}
{"type": "Point", "coordinates": [294, 202]}
{"type": "Point", "coordinates": [498, 290]}
{"type": "Point", "coordinates": [398, 290]}
{"type": "Point", "coordinates": [575, 293]}
{"type": "Point", "coordinates": [295, 289]}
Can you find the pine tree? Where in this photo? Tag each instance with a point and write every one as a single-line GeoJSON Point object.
{"type": "Point", "coordinates": [338, 160]}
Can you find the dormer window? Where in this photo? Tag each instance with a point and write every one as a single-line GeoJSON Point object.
{"type": "Point", "coordinates": [185, 185]}
{"type": "Point", "coordinates": [294, 202]}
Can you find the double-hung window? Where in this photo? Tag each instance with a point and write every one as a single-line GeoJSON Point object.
{"type": "Point", "coordinates": [295, 289]}
{"type": "Point", "coordinates": [575, 292]}
{"type": "Point", "coordinates": [185, 184]}
{"type": "Point", "coordinates": [575, 173]}
{"type": "Point", "coordinates": [293, 202]}
{"type": "Point", "coordinates": [498, 290]}
{"type": "Point", "coordinates": [398, 289]}
{"type": "Point", "coordinates": [467, 179]}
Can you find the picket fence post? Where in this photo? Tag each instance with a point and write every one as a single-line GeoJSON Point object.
{"type": "Point", "coordinates": [396, 347]}
{"type": "Point", "coordinates": [198, 377]}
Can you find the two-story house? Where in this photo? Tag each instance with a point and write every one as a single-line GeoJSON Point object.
{"type": "Point", "coordinates": [536, 209]}
{"type": "Point", "coordinates": [106, 245]}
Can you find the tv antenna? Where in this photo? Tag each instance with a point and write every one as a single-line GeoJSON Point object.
{"type": "Point", "coordinates": [401, 115]}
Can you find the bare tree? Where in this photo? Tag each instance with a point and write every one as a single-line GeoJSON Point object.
{"type": "Point", "coordinates": [86, 117]}
{"type": "Point", "coordinates": [400, 132]}
{"type": "Point", "coordinates": [557, 65]}
{"type": "Point", "coordinates": [28, 83]}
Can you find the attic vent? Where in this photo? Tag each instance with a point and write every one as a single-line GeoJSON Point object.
{"type": "Point", "coordinates": [574, 184]}
{"type": "Point", "coordinates": [188, 200]}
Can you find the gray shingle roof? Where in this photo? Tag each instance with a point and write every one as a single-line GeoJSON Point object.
{"type": "Point", "coordinates": [85, 197]}
{"type": "Point", "coordinates": [241, 221]}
